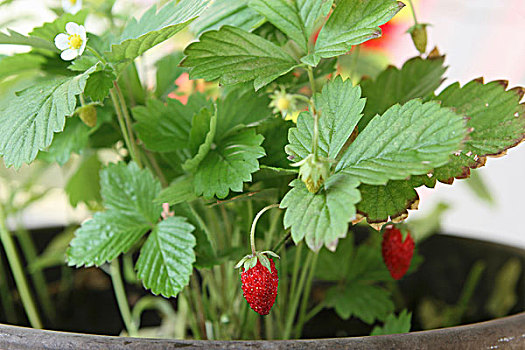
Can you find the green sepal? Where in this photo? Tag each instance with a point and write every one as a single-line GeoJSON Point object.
{"type": "Point", "coordinates": [264, 261]}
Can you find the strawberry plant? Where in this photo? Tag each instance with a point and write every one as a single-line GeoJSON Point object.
{"type": "Point", "coordinates": [178, 160]}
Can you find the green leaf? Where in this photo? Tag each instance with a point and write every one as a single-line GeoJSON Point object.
{"type": "Point", "coordinates": [297, 19]}
{"type": "Point", "coordinates": [389, 202]}
{"type": "Point", "coordinates": [284, 16]}
{"type": "Point", "coordinates": [340, 105]}
{"type": "Point", "coordinates": [366, 302]}
{"type": "Point", "coordinates": [128, 193]}
{"type": "Point", "coordinates": [179, 191]}
{"type": "Point", "coordinates": [155, 27]}
{"type": "Point", "coordinates": [18, 63]}
{"type": "Point", "coordinates": [164, 127]}
{"type": "Point", "coordinates": [394, 325]}
{"type": "Point", "coordinates": [74, 139]}
{"type": "Point", "coordinates": [99, 83]}
{"type": "Point", "coordinates": [240, 107]}
{"type": "Point", "coordinates": [235, 13]}
{"type": "Point", "coordinates": [418, 78]}
{"type": "Point", "coordinates": [168, 71]}
{"type": "Point", "coordinates": [497, 120]}
{"type": "Point", "coordinates": [15, 38]}
{"type": "Point", "coordinates": [352, 22]}
{"type": "Point", "coordinates": [131, 190]}
{"type": "Point", "coordinates": [48, 31]}
{"type": "Point", "coordinates": [29, 121]}
{"type": "Point", "coordinates": [233, 56]}
{"type": "Point", "coordinates": [84, 184]}
{"type": "Point", "coordinates": [406, 140]}
{"type": "Point", "coordinates": [322, 218]}
{"type": "Point", "coordinates": [202, 133]}
{"type": "Point", "coordinates": [105, 237]}
{"type": "Point", "coordinates": [166, 259]}
{"type": "Point", "coordinates": [229, 164]}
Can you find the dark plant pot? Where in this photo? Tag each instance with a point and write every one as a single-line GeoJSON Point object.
{"type": "Point", "coordinates": [447, 262]}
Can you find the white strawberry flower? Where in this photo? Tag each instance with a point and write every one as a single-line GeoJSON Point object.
{"type": "Point", "coordinates": [73, 43]}
{"type": "Point", "coordinates": [72, 6]}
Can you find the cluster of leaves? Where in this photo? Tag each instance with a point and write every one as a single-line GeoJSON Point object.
{"type": "Point", "coordinates": [383, 138]}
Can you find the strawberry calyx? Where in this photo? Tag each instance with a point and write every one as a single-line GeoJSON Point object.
{"type": "Point", "coordinates": [249, 261]}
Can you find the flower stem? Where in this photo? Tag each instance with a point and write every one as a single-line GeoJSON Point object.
{"type": "Point", "coordinates": [96, 54]}
{"type": "Point", "coordinates": [122, 300]}
{"type": "Point", "coordinates": [18, 273]}
{"type": "Point", "coordinates": [123, 128]}
{"type": "Point", "coordinates": [254, 224]}
{"type": "Point", "coordinates": [413, 11]}
{"type": "Point", "coordinates": [315, 136]}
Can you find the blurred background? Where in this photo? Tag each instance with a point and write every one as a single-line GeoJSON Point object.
{"type": "Point", "coordinates": [479, 37]}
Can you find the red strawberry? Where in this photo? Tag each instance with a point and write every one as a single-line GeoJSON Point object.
{"type": "Point", "coordinates": [259, 287]}
{"type": "Point", "coordinates": [396, 253]}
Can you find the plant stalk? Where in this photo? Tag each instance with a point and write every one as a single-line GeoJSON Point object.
{"type": "Point", "coordinates": [413, 11]}
{"type": "Point", "coordinates": [18, 273]}
{"type": "Point", "coordinates": [254, 224]}
{"type": "Point", "coordinates": [315, 136]}
{"type": "Point", "coordinates": [122, 300]}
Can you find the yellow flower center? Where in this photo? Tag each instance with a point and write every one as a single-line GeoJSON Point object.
{"type": "Point", "coordinates": [283, 103]}
{"type": "Point", "coordinates": [73, 2]}
{"type": "Point", "coordinates": [75, 41]}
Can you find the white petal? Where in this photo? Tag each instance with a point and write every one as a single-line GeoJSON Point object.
{"type": "Point", "coordinates": [62, 41]}
{"type": "Point", "coordinates": [82, 33]}
{"type": "Point", "coordinates": [69, 54]}
{"type": "Point", "coordinates": [72, 28]}
{"type": "Point", "coordinates": [83, 47]}
{"type": "Point", "coordinates": [77, 7]}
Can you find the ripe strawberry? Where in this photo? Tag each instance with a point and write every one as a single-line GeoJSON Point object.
{"type": "Point", "coordinates": [396, 253]}
{"type": "Point", "coordinates": [259, 287]}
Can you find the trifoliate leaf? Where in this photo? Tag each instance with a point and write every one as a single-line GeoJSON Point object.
{"type": "Point", "coordinates": [84, 184]}
{"type": "Point", "coordinates": [129, 189]}
{"type": "Point", "coordinates": [166, 259]}
{"type": "Point", "coordinates": [366, 302]}
{"type": "Point", "coordinates": [99, 83]}
{"type": "Point", "coordinates": [406, 140]}
{"type": "Point", "coordinates": [128, 193]}
{"type": "Point", "coordinates": [340, 105]}
{"type": "Point", "coordinates": [296, 19]}
{"type": "Point", "coordinates": [14, 38]}
{"type": "Point", "coordinates": [229, 164]}
{"type": "Point", "coordinates": [168, 71]}
{"type": "Point", "coordinates": [202, 134]}
{"type": "Point", "coordinates": [105, 237]}
{"type": "Point", "coordinates": [233, 56]}
{"type": "Point", "coordinates": [28, 122]}
{"type": "Point", "coordinates": [73, 139]}
{"type": "Point", "coordinates": [394, 325]}
{"type": "Point", "coordinates": [418, 78]}
{"type": "Point", "coordinates": [179, 191]}
{"type": "Point", "coordinates": [155, 27]}
{"type": "Point", "coordinates": [235, 13]}
{"type": "Point", "coordinates": [497, 120]}
{"type": "Point", "coordinates": [352, 22]}
{"type": "Point", "coordinates": [322, 218]}
{"type": "Point", "coordinates": [164, 127]}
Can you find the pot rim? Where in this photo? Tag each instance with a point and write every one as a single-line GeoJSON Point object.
{"type": "Point", "coordinates": [507, 331]}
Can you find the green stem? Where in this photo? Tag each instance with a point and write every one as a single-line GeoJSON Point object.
{"type": "Point", "coordinates": [18, 273]}
{"type": "Point", "coordinates": [122, 300]}
{"type": "Point", "coordinates": [282, 242]}
{"type": "Point", "coordinates": [37, 275]}
{"type": "Point", "coordinates": [5, 295]}
{"type": "Point", "coordinates": [127, 123]}
{"type": "Point", "coordinates": [292, 310]}
{"type": "Point", "coordinates": [122, 124]}
{"type": "Point", "coordinates": [96, 54]}
{"type": "Point", "coordinates": [315, 136]}
{"type": "Point", "coordinates": [413, 11]}
{"type": "Point", "coordinates": [156, 168]}
{"type": "Point", "coordinates": [306, 293]}
{"type": "Point", "coordinates": [254, 224]}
